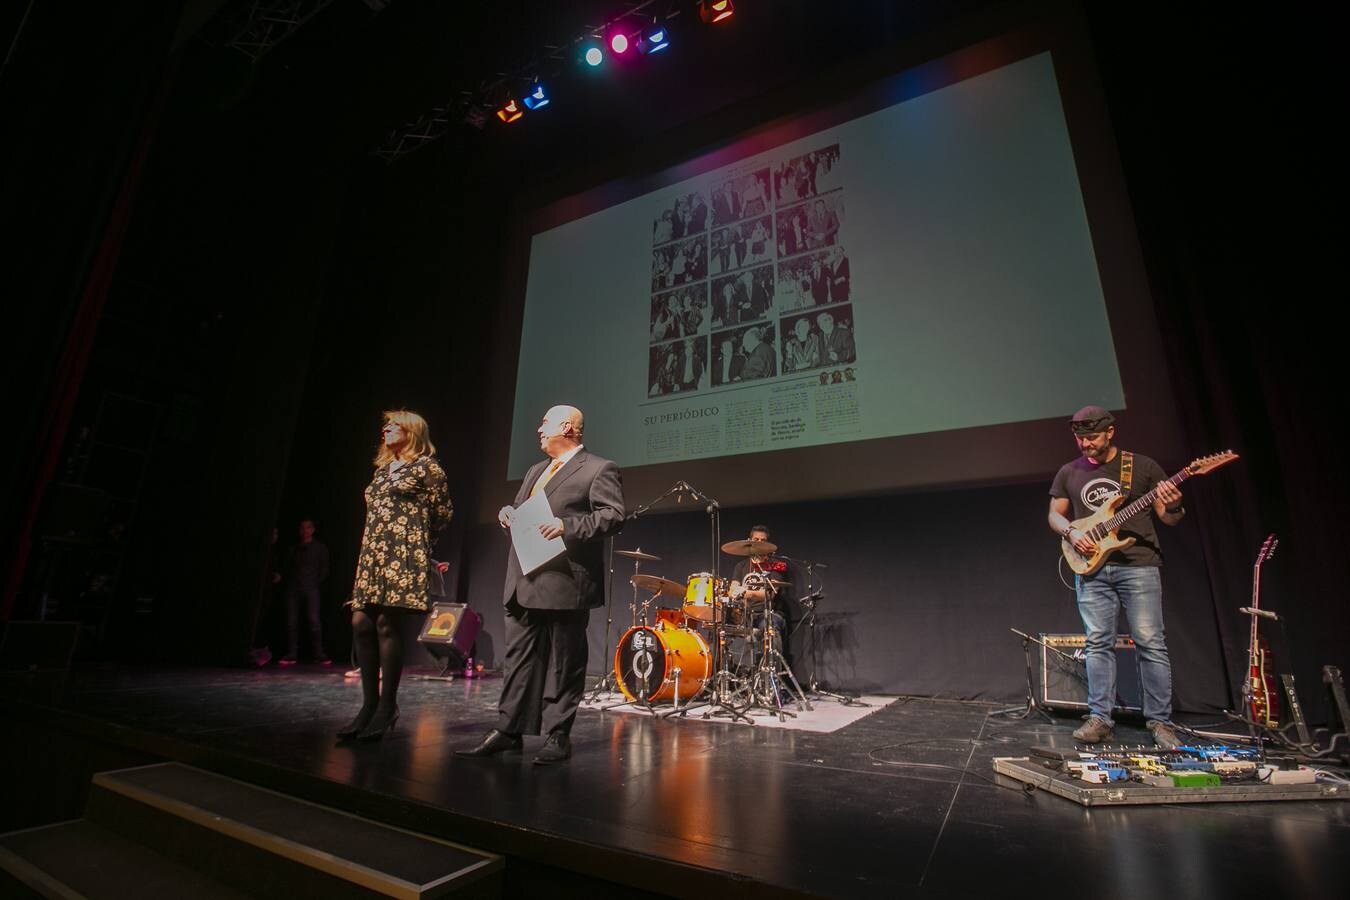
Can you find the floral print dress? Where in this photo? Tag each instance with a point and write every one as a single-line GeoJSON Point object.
{"type": "Point", "coordinates": [405, 510]}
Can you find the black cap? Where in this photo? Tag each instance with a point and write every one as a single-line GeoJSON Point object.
{"type": "Point", "coordinates": [1091, 419]}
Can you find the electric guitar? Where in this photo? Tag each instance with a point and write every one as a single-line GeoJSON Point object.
{"type": "Point", "coordinates": [1102, 525]}
{"type": "Point", "coordinates": [1263, 702]}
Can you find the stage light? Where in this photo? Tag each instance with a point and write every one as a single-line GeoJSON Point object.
{"type": "Point", "coordinates": [618, 42]}
{"type": "Point", "coordinates": [711, 11]}
{"type": "Point", "coordinates": [510, 111]}
{"type": "Point", "coordinates": [537, 97]}
{"type": "Point", "coordinates": [654, 38]}
{"type": "Point", "coordinates": [593, 55]}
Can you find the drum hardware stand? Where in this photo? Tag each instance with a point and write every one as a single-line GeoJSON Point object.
{"type": "Point", "coordinates": [1031, 705]}
{"type": "Point", "coordinates": [767, 683]}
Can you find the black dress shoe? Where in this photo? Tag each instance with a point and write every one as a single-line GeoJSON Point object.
{"type": "Point", "coordinates": [357, 725]}
{"type": "Point", "coordinates": [495, 742]}
{"type": "Point", "coordinates": [557, 748]}
{"type": "Point", "coordinates": [378, 726]}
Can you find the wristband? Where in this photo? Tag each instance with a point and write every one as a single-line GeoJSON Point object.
{"type": "Point", "coordinates": [1179, 511]}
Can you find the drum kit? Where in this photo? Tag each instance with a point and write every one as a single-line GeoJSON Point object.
{"type": "Point", "coordinates": [707, 643]}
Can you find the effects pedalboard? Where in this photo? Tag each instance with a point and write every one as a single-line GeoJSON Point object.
{"type": "Point", "coordinates": [1190, 773]}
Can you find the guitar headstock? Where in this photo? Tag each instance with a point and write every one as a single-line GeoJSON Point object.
{"type": "Point", "coordinates": [1268, 548]}
{"type": "Point", "coordinates": [1206, 464]}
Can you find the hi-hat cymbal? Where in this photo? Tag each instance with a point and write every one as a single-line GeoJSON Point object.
{"type": "Point", "coordinates": [637, 554]}
{"type": "Point", "coordinates": [748, 548]}
{"type": "Point", "coordinates": [661, 587]}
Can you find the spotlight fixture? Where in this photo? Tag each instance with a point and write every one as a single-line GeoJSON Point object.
{"type": "Point", "coordinates": [654, 38]}
{"type": "Point", "coordinates": [618, 42]}
{"type": "Point", "coordinates": [711, 11]}
{"type": "Point", "coordinates": [537, 98]}
{"type": "Point", "coordinates": [593, 55]}
{"type": "Point", "coordinates": [510, 111]}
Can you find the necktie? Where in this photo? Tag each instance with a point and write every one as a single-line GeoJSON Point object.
{"type": "Point", "coordinates": [539, 485]}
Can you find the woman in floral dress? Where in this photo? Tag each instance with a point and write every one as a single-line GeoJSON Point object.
{"type": "Point", "coordinates": [407, 506]}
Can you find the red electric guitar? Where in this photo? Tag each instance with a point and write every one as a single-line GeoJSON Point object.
{"type": "Point", "coordinates": [1263, 699]}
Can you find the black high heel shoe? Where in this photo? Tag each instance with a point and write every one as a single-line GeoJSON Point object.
{"type": "Point", "coordinates": [375, 733]}
{"type": "Point", "coordinates": [357, 725]}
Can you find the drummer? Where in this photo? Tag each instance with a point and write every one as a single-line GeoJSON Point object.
{"type": "Point", "coordinates": [763, 561]}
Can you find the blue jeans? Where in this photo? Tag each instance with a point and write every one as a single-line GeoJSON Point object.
{"type": "Point", "coordinates": [1100, 597]}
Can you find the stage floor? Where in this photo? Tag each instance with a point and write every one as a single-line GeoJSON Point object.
{"type": "Point", "coordinates": [902, 802]}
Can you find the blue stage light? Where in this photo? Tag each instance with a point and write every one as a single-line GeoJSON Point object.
{"type": "Point", "coordinates": [593, 55]}
{"type": "Point", "coordinates": [654, 38]}
{"type": "Point", "coordinates": [537, 97]}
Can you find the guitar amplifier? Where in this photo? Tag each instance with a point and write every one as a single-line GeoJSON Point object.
{"type": "Point", "coordinates": [1063, 682]}
{"type": "Point", "coordinates": [448, 632]}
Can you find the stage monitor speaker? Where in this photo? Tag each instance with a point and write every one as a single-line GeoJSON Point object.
{"type": "Point", "coordinates": [38, 646]}
{"type": "Point", "coordinates": [1064, 681]}
{"type": "Point", "coordinates": [449, 632]}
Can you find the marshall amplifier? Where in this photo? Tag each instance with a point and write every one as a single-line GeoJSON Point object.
{"type": "Point", "coordinates": [1064, 681]}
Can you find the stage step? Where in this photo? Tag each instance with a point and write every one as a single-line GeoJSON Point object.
{"type": "Point", "coordinates": [82, 859]}
{"type": "Point", "coordinates": [247, 842]}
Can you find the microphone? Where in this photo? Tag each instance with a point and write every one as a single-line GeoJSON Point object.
{"type": "Point", "coordinates": [803, 562]}
{"type": "Point", "coordinates": [1263, 613]}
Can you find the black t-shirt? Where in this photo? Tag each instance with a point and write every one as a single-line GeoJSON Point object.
{"type": "Point", "coordinates": [1087, 486]}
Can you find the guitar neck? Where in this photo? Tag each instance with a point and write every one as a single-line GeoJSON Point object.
{"type": "Point", "coordinates": [1256, 604]}
{"type": "Point", "coordinates": [1125, 513]}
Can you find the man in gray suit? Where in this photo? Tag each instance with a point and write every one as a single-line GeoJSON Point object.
{"type": "Point", "coordinates": [547, 610]}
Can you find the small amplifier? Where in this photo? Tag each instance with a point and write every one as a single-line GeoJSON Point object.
{"type": "Point", "coordinates": [449, 631]}
{"type": "Point", "coordinates": [1064, 681]}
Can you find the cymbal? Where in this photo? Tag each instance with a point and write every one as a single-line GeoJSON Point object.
{"type": "Point", "coordinates": [779, 584]}
{"type": "Point", "coordinates": [637, 554]}
{"type": "Point", "coordinates": [748, 548]}
{"type": "Point", "coordinates": [661, 587]}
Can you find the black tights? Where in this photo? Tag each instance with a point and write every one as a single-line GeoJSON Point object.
{"type": "Point", "coordinates": [378, 633]}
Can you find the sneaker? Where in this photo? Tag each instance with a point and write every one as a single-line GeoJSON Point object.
{"type": "Point", "coordinates": [286, 661]}
{"type": "Point", "coordinates": [1164, 738]}
{"type": "Point", "coordinates": [324, 661]}
{"type": "Point", "coordinates": [1094, 731]}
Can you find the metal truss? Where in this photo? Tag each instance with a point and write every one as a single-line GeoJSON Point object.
{"type": "Point", "coordinates": [259, 26]}
{"type": "Point", "coordinates": [473, 107]}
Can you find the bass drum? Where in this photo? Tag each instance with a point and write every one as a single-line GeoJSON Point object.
{"type": "Point", "coordinates": [647, 657]}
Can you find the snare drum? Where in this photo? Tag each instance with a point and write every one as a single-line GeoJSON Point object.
{"type": "Point", "coordinates": [699, 594]}
{"type": "Point", "coordinates": [647, 657]}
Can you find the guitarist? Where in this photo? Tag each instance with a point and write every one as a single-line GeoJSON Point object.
{"type": "Point", "coordinates": [1131, 577]}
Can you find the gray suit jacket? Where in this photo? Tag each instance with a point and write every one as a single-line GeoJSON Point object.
{"type": "Point", "coordinates": [587, 495]}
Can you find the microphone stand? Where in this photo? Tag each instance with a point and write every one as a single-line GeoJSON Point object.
{"type": "Point", "coordinates": [1032, 705]}
{"type": "Point", "coordinates": [717, 691]}
{"type": "Point", "coordinates": [607, 683]}
{"type": "Point", "coordinates": [809, 603]}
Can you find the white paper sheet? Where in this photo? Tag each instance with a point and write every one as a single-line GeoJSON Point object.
{"type": "Point", "coordinates": [532, 548]}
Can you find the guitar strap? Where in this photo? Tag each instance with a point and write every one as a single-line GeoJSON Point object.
{"type": "Point", "coordinates": [1126, 472]}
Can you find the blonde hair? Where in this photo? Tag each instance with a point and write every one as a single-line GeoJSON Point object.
{"type": "Point", "coordinates": [418, 442]}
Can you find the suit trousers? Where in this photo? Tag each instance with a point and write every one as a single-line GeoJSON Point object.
{"type": "Point", "coordinates": [546, 654]}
